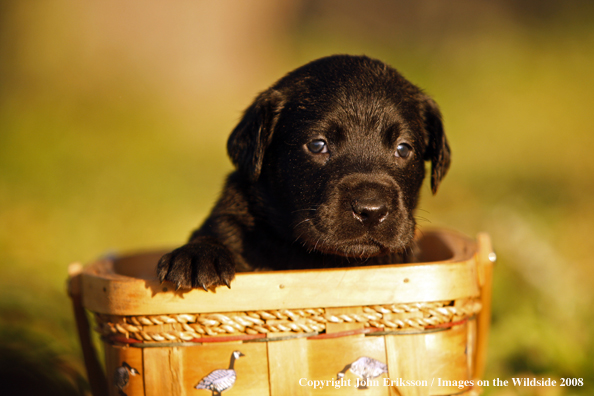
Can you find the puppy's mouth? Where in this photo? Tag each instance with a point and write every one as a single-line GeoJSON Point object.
{"type": "Point", "coordinates": [360, 249]}
{"type": "Point", "coordinates": [359, 245]}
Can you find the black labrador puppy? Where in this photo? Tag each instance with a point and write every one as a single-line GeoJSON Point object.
{"type": "Point", "coordinates": [329, 163]}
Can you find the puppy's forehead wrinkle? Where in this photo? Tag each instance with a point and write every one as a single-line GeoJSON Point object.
{"type": "Point", "coordinates": [365, 157]}
{"type": "Point", "coordinates": [381, 120]}
{"type": "Point", "coordinates": [369, 176]}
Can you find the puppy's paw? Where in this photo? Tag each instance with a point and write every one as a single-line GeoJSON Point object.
{"type": "Point", "coordinates": [204, 264]}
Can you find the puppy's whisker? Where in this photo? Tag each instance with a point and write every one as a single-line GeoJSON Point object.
{"type": "Point", "coordinates": [301, 222]}
{"type": "Point", "coordinates": [409, 250]}
{"type": "Point", "coordinates": [297, 239]}
{"type": "Point", "coordinates": [316, 245]}
{"type": "Point", "coordinates": [422, 219]}
{"type": "Point", "coordinates": [305, 210]}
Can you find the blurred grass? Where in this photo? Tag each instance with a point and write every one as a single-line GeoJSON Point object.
{"type": "Point", "coordinates": [105, 147]}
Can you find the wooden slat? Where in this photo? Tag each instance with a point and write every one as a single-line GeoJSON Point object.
{"type": "Point", "coordinates": [447, 360]}
{"type": "Point", "coordinates": [471, 335]}
{"type": "Point", "coordinates": [485, 269]}
{"type": "Point", "coordinates": [408, 360]}
{"type": "Point", "coordinates": [112, 361]}
{"type": "Point", "coordinates": [163, 371]}
{"type": "Point", "coordinates": [287, 364]}
{"type": "Point", "coordinates": [176, 362]}
{"type": "Point", "coordinates": [95, 374]}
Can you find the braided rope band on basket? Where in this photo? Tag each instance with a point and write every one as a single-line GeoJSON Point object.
{"type": "Point", "coordinates": [188, 327]}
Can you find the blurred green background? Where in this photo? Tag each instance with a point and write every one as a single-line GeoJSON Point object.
{"type": "Point", "coordinates": [114, 117]}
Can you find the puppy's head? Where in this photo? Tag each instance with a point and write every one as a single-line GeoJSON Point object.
{"type": "Point", "coordinates": [336, 151]}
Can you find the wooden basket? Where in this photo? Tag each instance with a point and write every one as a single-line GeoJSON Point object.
{"type": "Point", "coordinates": [408, 329]}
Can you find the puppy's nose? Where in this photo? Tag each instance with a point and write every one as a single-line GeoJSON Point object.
{"type": "Point", "coordinates": [370, 212]}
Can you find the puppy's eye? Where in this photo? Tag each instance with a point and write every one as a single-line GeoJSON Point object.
{"type": "Point", "coordinates": [403, 150]}
{"type": "Point", "coordinates": [317, 146]}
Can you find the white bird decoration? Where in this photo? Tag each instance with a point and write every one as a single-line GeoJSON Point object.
{"type": "Point", "coordinates": [121, 377]}
{"type": "Point", "coordinates": [222, 379]}
{"type": "Point", "coordinates": [366, 368]}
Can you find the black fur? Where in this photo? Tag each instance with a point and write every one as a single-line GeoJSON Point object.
{"type": "Point", "coordinates": [288, 207]}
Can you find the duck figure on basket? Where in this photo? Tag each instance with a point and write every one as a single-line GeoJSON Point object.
{"type": "Point", "coordinates": [222, 379]}
{"type": "Point", "coordinates": [366, 368]}
{"type": "Point", "coordinates": [121, 377]}
{"type": "Point", "coordinates": [329, 165]}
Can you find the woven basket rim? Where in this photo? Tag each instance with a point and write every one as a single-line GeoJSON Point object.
{"type": "Point", "coordinates": [106, 291]}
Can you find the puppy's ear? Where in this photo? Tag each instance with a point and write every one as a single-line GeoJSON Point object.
{"type": "Point", "coordinates": [438, 150]}
{"type": "Point", "coordinates": [251, 137]}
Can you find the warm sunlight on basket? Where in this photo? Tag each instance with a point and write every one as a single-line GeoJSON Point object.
{"type": "Point", "coordinates": [408, 329]}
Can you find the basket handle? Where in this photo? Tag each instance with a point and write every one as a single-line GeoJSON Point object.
{"type": "Point", "coordinates": [485, 258]}
{"type": "Point", "coordinates": [95, 374]}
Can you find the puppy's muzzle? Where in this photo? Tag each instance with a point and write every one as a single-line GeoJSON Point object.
{"type": "Point", "coordinates": [370, 199]}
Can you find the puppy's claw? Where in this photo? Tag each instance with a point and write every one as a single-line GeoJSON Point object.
{"type": "Point", "coordinates": [227, 283]}
{"type": "Point", "coordinates": [203, 264]}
